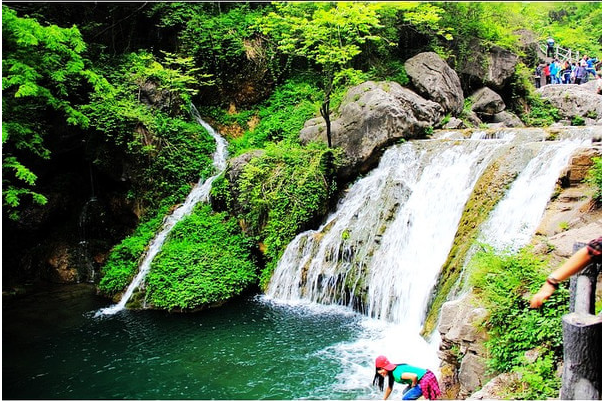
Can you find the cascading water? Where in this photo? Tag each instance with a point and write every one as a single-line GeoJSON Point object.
{"type": "Point", "coordinates": [199, 193]}
{"type": "Point", "coordinates": [514, 221]}
{"type": "Point", "coordinates": [378, 245]}
{"type": "Point", "coordinates": [380, 253]}
{"type": "Point", "coordinates": [85, 261]}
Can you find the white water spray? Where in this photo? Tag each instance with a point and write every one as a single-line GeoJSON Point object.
{"type": "Point", "coordinates": [199, 193]}
{"type": "Point", "coordinates": [393, 230]}
{"type": "Point", "coordinates": [380, 253]}
{"type": "Point", "coordinates": [514, 221]}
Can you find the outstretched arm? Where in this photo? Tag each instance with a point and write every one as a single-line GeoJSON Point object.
{"type": "Point", "coordinates": [573, 265]}
{"type": "Point", "coordinates": [387, 392]}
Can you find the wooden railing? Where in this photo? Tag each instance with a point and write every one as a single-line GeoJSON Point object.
{"type": "Point", "coordinates": [582, 338]}
{"type": "Point", "coordinates": [560, 53]}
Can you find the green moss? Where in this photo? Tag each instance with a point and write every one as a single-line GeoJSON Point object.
{"type": "Point", "coordinates": [488, 191]}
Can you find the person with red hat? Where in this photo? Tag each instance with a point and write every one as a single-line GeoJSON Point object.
{"type": "Point", "coordinates": [420, 381]}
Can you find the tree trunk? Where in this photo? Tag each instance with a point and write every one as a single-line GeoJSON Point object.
{"type": "Point", "coordinates": [325, 112]}
{"type": "Point", "coordinates": [325, 109]}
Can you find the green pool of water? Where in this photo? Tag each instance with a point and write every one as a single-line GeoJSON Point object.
{"type": "Point", "coordinates": [54, 348]}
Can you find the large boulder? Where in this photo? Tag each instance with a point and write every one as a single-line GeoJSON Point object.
{"type": "Point", "coordinates": [487, 102]}
{"type": "Point", "coordinates": [462, 351]}
{"type": "Point", "coordinates": [575, 101]}
{"type": "Point", "coordinates": [372, 116]}
{"type": "Point", "coordinates": [436, 81]}
{"type": "Point", "coordinates": [493, 68]}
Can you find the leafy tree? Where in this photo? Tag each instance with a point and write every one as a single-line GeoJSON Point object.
{"type": "Point", "coordinates": [219, 37]}
{"type": "Point", "coordinates": [330, 35]}
{"type": "Point", "coordinates": [43, 75]}
{"type": "Point", "coordinates": [145, 121]}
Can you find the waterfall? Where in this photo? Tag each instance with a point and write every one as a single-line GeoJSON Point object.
{"type": "Point", "coordinates": [83, 245]}
{"type": "Point", "coordinates": [381, 251]}
{"type": "Point", "coordinates": [199, 193]}
{"type": "Point", "coordinates": [514, 221]}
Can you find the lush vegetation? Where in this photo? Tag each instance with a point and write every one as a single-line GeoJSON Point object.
{"type": "Point", "coordinates": [503, 284]}
{"type": "Point", "coordinates": [41, 75]}
{"type": "Point", "coordinates": [259, 71]}
{"type": "Point", "coordinates": [202, 247]}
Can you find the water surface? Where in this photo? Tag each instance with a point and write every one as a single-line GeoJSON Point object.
{"type": "Point", "coordinates": [55, 348]}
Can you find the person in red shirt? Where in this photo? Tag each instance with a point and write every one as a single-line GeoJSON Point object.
{"type": "Point", "coordinates": [546, 72]}
{"type": "Point", "coordinates": [420, 381]}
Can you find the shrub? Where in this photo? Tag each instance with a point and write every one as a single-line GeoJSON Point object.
{"type": "Point", "coordinates": [123, 261]}
{"type": "Point", "coordinates": [504, 282]}
{"type": "Point", "coordinates": [541, 112]}
{"type": "Point", "coordinates": [284, 190]}
{"type": "Point", "coordinates": [594, 178]}
{"type": "Point", "coordinates": [205, 260]}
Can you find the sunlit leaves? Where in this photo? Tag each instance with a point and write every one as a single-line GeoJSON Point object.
{"type": "Point", "coordinates": [42, 68]}
{"type": "Point", "coordinates": [503, 284]}
{"type": "Point", "coordinates": [327, 33]}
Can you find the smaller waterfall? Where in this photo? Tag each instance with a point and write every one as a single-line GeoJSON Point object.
{"type": "Point", "coordinates": [514, 221]}
{"type": "Point", "coordinates": [200, 193]}
{"type": "Point", "coordinates": [84, 246]}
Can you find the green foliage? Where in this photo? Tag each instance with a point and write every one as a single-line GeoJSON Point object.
{"type": "Point", "coordinates": [529, 105]}
{"type": "Point", "coordinates": [283, 190]}
{"type": "Point", "coordinates": [503, 284]}
{"type": "Point", "coordinates": [221, 39]}
{"type": "Point", "coordinates": [328, 35]}
{"type": "Point", "coordinates": [122, 263]}
{"type": "Point", "coordinates": [166, 150]}
{"type": "Point", "coordinates": [206, 260]}
{"type": "Point", "coordinates": [43, 77]}
{"type": "Point", "coordinates": [426, 18]}
{"type": "Point", "coordinates": [577, 121]}
{"type": "Point", "coordinates": [175, 77]}
{"type": "Point", "coordinates": [281, 117]}
{"type": "Point", "coordinates": [541, 112]}
{"type": "Point", "coordinates": [393, 71]}
{"type": "Point", "coordinates": [594, 178]}
{"type": "Point", "coordinates": [575, 25]}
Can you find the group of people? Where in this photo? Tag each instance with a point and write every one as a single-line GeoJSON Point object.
{"type": "Point", "coordinates": [567, 72]}
{"type": "Point", "coordinates": [423, 382]}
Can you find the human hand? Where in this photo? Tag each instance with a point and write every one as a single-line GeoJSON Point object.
{"type": "Point", "coordinates": [543, 294]}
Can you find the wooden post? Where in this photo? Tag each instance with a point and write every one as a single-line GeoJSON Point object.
{"type": "Point", "coordinates": [582, 337]}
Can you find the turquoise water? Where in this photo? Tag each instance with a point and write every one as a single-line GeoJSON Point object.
{"type": "Point", "coordinates": [54, 348]}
